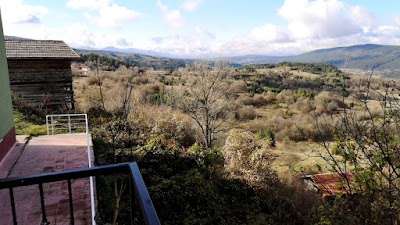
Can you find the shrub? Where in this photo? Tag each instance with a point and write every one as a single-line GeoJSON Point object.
{"type": "Point", "coordinates": [267, 135]}
{"type": "Point", "coordinates": [258, 101]}
{"type": "Point", "coordinates": [304, 105]}
{"type": "Point", "coordinates": [92, 80]}
{"type": "Point", "coordinates": [246, 113]}
{"type": "Point", "coordinates": [150, 93]}
{"type": "Point", "coordinates": [286, 97]}
{"type": "Point", "coordinates": [246, 160]}
{"type": "Point", "coordinates": [174, 128]}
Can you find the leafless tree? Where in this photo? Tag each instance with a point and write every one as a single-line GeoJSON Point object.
{"type": "Point", "coordinates": [207, 99]}
{"type": "Point", "coordinates": [116, 125]}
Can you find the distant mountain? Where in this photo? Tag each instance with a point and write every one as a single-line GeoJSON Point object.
{"type": "Point", "coordinates": [380, 57]}
{"type": "Point", "coordinates": [384, 58]}
{"type": "Point", "coordinates": [137, 51]}
{"type": "Point", "coordinates": [255, 59]}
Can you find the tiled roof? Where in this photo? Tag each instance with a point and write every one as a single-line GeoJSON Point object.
{"type": "Point", "coordinates": [332, 184]}
{"type": "Point", "coordinates": [38, 49]}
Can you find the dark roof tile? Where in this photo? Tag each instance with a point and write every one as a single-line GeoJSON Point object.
{"type": "Point", "coordinates": [39, 49]}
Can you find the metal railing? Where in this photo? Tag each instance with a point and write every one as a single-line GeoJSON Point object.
{"type": "Point", "coordinates": [137, 188]}
{"type": "Point", "coordinates": [59, 123]}
{"type": "Point", "coordinates": [66, 123]}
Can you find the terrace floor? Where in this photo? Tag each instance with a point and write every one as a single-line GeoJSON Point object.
{"type": "Point", "coordinates": [46, 154]}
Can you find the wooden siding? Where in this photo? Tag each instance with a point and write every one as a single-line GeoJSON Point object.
{"type": "Point", "coordinates": [43, 83]}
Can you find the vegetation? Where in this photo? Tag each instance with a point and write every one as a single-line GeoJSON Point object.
{"type": "Point", "coordinates": [108, 63]}
{"type": "Point", "coordinates": [28, 120]}
{"type": "Point", "coordinates": [112, 61]}
{"type": "Point", "coordinates": [223, 145]}
{"type": "Point", "coordinates": [24, 125]}
{"type": "Point", "coordinates": [207, 101]}
{"type": "Point", "coordinates": [358, 58]}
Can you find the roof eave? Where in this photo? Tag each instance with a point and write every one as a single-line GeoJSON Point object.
{"type": "Point", "coordinates": [43, 58]}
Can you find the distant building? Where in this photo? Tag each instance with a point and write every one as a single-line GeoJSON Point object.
{"type": "Point", "coordinates": [7, 129]}
{"type": "Point", "coordinates": [83, 71]}
{"type": "Point", "coordinates": [40, 73]}
{"type": "Point", "coordinates": [330, 184]}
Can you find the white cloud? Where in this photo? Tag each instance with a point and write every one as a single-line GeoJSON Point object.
{"type": "Point", "coordinates": [104, 13]}
{"type": "Point", "coordinates": [172, 17]}
{"type": "Point", "coordinates": [323, 18]}
{"type": "Point", "coordinates": [18, 12]}
{"type": "Point", "coordinates": [397, 20]}
{"type": "Point", "coordinates": [201, 32]}
{"type": "Point", "coordinates": [268, 33]}
{"type": "Point", "coordinates": [88, 4]}
{"type": "Point", "coordinates": [321, 24]}
{"type": "Point", "coordinates": [78, 35]}
{"type": "Point", "coordinates": [311, 24]}
{"type": "Point", "coordinates": [192, 5]}
{"type": "Point", "coordinates": [197, 42]}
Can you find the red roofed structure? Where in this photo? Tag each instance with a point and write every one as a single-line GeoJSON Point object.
{"type": "Point", "coordinates": [331, 184]}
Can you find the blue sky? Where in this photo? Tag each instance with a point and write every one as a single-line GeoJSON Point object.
{"type": "Point", "coordinates": [206, 28]}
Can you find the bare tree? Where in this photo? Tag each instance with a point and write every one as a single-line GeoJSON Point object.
{"type": "Point", "coordinates": [116, 125]}
{"type": "Point", "coordinates": [207, 99]}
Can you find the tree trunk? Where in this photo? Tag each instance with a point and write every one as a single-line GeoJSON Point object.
{"type": "Point", "coordinates": [116, 210]}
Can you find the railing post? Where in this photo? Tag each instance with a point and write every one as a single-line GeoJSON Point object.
{"type": "Point", "coordinates": [132, 200]}
{"type": "Point", "coordinates": [14, 214]}
{"type": "Point", "coordinates": [71, 207]}
{"type": "Point", "coordinates": [149, 213]}
{"type": "Point", "coordinates": [52, 124]}
{"type": "Point", "coordinates": [47, 124]}
{"type": "Point", "coordinates": [69, 123]}
{"type": "Point", "coordinates": [90, 165]}
{"type": "Point", "coordinates": [44, 218]}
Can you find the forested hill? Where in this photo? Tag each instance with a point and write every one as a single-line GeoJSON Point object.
{"type": "Point", "coordinates": [385, 59]}
{"type": "Point", "coordinates": [115, 59]}
{"type": "Point", "coordinates": [381, 57]}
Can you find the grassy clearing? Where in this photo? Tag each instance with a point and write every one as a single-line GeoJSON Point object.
{"type": "Point", "coordinates": [27, 127]}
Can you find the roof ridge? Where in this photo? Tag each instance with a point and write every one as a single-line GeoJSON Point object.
{"type": "Point", "coordinates": [28, 49]}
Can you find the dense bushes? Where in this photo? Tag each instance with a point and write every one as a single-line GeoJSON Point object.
{"type": "Point", "coordinates": [186, 189]}
{"type": "Point", "coordinates": [232, 182]}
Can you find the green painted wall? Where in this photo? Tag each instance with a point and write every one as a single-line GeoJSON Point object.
{"type": "Point", "coordinates": [6, 110]}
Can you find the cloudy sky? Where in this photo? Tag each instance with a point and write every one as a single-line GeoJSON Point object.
{"type": "Point", "coordinates": [207, 28]}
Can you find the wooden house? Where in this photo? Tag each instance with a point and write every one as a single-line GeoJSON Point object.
{"type": "Point", "coordinates": [40, 73]}
{"type": "Point", "coordinates": [7, 128]}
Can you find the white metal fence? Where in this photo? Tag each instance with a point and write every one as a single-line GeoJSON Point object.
{"type": "Point", "coordinates": [66, 123]}
{"type": "Point", "coordinates": [73, 123]}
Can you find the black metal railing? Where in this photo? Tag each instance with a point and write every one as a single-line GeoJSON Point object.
{"type": "Point", "coordinates": [136, 184]}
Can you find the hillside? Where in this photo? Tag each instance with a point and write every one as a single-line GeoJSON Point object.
{"type": "Point", "coordinates": [384, 58]}
{"type": "Point", "coordinates": [140, 60]}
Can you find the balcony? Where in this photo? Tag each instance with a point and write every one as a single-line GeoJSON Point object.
{"type": "Point", "coordinates": [137, 190]}
{"type": "Point", "coordinates": [48, 180]}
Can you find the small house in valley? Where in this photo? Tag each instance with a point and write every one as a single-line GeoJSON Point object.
{"type": "Point", "coordinates": [40, 73]}
{"type": "Point", "coordinates": [331, 184]}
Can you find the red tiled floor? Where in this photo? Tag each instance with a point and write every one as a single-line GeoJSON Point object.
{"type": "Point", "coordinates": [42, 155]}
